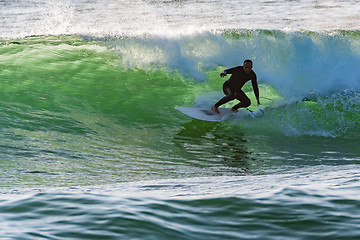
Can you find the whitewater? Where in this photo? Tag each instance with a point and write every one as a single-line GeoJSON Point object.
{"type": "Point", "coordinates": [92, 146]}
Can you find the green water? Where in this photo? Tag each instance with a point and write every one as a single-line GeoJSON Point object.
{"type": "Point", "coordinates": [71, 109]}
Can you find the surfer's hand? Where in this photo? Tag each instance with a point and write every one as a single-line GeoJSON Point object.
{"type": "Point", "coordinates": [234, 109]}
{"type": "Point", "coordinates": [222, 74]}
{"type": "Point", "coordinates": [258, 101]}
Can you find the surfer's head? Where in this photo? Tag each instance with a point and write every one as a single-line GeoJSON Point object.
{"type": "Point", "coordinates": [248, 66]}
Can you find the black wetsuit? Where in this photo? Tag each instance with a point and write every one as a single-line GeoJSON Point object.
{"type": "Point", "coordinates": [232, 87]}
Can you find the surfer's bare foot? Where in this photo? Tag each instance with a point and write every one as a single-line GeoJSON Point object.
{"type": "Point", "coordinates": [234, 109]}
{"type": "Point", "coordinates": [215, 109]}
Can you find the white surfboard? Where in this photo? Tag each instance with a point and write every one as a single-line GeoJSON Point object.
{"type": "Point", "coordinates": [207, 114]}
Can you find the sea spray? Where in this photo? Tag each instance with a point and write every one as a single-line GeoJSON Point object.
{"type": "Point", "coordinates": [293, 63]}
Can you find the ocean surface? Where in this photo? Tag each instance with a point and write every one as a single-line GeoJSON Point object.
{"type": "Point", "coordinates": [92, 147]}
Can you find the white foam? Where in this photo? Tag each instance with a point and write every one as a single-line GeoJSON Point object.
{"type": "Point", "coordinates": [170, 18]}
{"type": "Point", "coordinates": [293, 63]}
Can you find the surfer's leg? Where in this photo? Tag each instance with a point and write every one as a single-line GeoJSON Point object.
{"type": "Point", "coordinates": [224, 100]}
{"type": "Point", "coordinates": [229, 96]}
{"type": "Point", "coordinates": [244, 100]}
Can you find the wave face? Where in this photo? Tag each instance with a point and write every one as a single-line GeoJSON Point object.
{"type": "Point", "coordinates": [296, 66]}
{"type": "Point", "coordinates": [307, 80]}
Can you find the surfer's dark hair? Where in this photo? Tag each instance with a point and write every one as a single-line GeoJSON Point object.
{"type": "Point", "coordinates": [248, 61]}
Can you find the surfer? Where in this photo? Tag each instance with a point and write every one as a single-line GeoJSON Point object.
{"type": "Point", "coordinates": [232, 87]}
